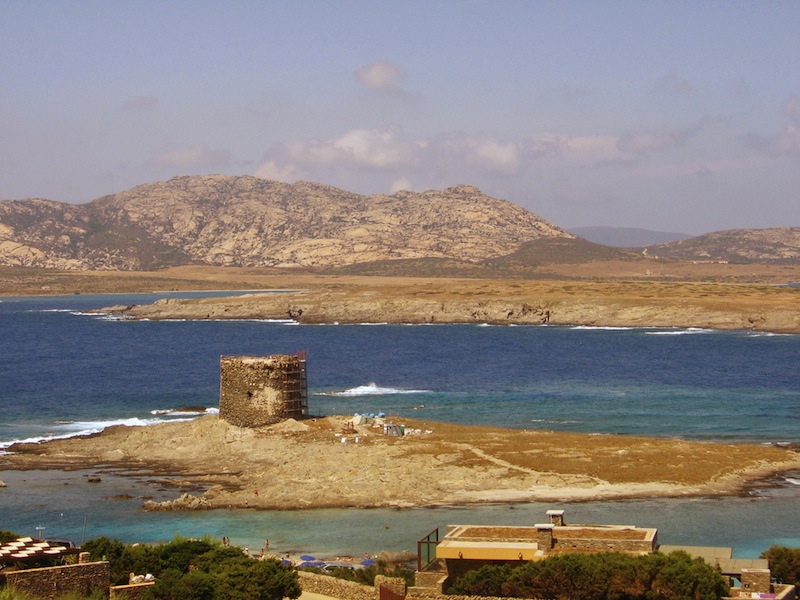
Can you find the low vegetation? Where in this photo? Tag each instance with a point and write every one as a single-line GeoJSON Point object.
{"type": "Point", "coordinates": [602, 576]}
{"type": "Point", "coordinates": [198, 569]}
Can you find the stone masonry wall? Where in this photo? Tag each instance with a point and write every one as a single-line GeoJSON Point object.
{"type": "Point", "coordinates": [257, 390]}
{"type": "Point", "coordinates": [600, 545]}
{"type": "Point", "coordinates": [51, 582]}
{"type": "Point", "coordinates": [133, 591]}
{"type": "Point", "coordinates": [337, 588]}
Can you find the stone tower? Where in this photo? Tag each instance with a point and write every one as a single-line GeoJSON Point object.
{"type": "Point", "coordinates": [262, 390]}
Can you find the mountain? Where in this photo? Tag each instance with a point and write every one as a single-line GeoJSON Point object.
{"type": "Point", "coordinates": [246, 221]}
{"type": "Point", "coordinates": [250, 222]}
{"type": "Point", "coordinates": [626, 237]}
{"type": "Point", "coordinates": [776, 245]}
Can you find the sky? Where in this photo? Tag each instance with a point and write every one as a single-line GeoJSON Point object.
{"type": "Point", "coordinates": [663, 115]}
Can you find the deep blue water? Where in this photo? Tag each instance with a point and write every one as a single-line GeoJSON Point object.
{"type": "Point", "coordinates": [63, 372]}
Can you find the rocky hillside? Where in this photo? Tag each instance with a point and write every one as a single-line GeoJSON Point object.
{"type": "Point", "coordinates": [246, 221]}
{"type": "Point", "coordinates": [764, 246]}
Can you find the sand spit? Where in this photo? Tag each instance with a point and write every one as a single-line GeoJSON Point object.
{"type": "Point", "coordinates": [305, 464]}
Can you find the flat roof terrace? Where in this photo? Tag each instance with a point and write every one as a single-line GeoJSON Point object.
{"type": "Point", "coordinates": [467, 542]}
{"type": "Point", "coordinates": [596, 532]}
{"type": "Point", "coordinates": [508, 543]}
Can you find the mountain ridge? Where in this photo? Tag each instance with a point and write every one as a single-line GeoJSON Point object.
{"type": "Point", "coordinates": [626, 237]}
{"type": "Point", "coordinates": [246, 221]}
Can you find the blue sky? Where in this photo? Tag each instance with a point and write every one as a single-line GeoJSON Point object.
{"type": "Point", "coordinates": [672, 116]}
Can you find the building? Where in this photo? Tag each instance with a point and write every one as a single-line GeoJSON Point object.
{"type": "Point", "coordinates": [263, 390]}
{"type": "Point", "coordinates": [463, 548]}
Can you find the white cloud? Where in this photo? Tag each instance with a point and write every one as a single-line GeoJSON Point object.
{"type": "Point", "coordinates": [198, 156]}
{"type": "Point", "coordinates": [358, 148]}
{"type": "Point", "coordinates": [272, 170]}
{"type": "Point", "coordinates": [785, 143]}
{"type": "Point", "coordinates": [378, 148]}
{"type": "Point", "coordinates": [381, 77]}
{"type": "Point", "coordinates": [387, 154]}
{"type": "Point", "coordinates": [401, 184]}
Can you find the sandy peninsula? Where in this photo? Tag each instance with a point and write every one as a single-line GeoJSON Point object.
{"type": "Point", "coordinates": [305, 464]}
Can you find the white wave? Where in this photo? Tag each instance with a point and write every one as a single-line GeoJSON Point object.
{"type": "Point", "coordinates": [555, 421]}
{"type": "Point", "coordinates": [80, 428]}
{"type": "Point", "coordinates": [89, 427]}
{"type": "Point", "coordinates": [371, 389]}
{"type": "Point", "coordinates": [689, 331]}
{"type": "Point", "coordinates": [792, 480]}
{"type": "Point", "coordinates": [33, 440]}
{"type": "Point", "coordinates": [602, 327]}
{"type": "Point", "coordinates": [757, 334]}
{"type": "Point", "coordinates": [177, 412]}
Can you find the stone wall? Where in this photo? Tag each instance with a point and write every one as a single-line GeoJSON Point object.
{"type": "Point", "coordinates": [337, 588]}
{"type": "Point", "coordinates": [261, 390]}
{"type": "Point", "coordinates": [397, 585]}
{"type": "Point", "coordinates": [756, 580]}
{"type": "Point", "coordinates": [132, 591]}
{"type": "Point", "coordinates": [601, 545]}
{"type": "Point", "coordinates": [51, 582]}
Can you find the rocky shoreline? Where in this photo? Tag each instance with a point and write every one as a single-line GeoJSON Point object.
{"type": "Point", "coordinates": [502, 302]}
{"type": "Point", "coordinates": [305, 464]}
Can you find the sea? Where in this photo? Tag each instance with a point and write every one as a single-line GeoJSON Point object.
{"type": "Point", "coordinates": [65, 371]}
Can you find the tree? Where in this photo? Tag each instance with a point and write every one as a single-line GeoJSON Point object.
{"type": "Point", "coordinates": [486, 581]}
{"type": "Point", "coordinates": [198, 569]}
{"type": "Point", "coordinates": [784, 563]}
{"type": "Point", "coordinates": [8, 536]}
{"type": "Point", "coordinates": [600, 576]}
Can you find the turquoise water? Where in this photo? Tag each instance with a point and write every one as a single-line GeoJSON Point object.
{"type": "Point", "coordinates": [63, 372]}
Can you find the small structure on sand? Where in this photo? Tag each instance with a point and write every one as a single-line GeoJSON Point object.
{"type": "Point", "coordinates": [263, 390]}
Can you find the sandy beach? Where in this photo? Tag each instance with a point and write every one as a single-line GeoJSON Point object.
{"type": "Point", "coordinates": [327, 463]}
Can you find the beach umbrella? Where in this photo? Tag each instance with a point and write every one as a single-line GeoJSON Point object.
{"type": "Point", "coordinates": [367, 562]}
{"type": "Point", "coordinates": [307, 557]}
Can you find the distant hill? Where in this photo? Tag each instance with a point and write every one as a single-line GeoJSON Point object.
{"type": "Point", "coordinates": [251, 222]}
{"type": "Point", "coordinates": [246, 221]}
{"type": "Point", "coordinates": [776, 245]}
{"type": "Point", "coordinates": [626, 237]}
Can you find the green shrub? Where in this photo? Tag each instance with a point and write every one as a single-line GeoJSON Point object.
{"type": "Point", "coordinates": [601, 576]}
{"type": "Point", "coordinates": [784, 563]}
{"type": "Point", "coordinates": [198, 569]}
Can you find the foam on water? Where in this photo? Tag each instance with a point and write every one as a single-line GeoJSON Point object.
{"type": "Point", "coordinates": [688, 331]}
{"type": "Point", "coordinates": [370, 389]}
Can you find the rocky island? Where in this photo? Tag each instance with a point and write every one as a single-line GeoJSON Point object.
{"type": "Point", "coordinates": [757, 307]}
{"type": "Point", "coordinates": [300, 464]}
